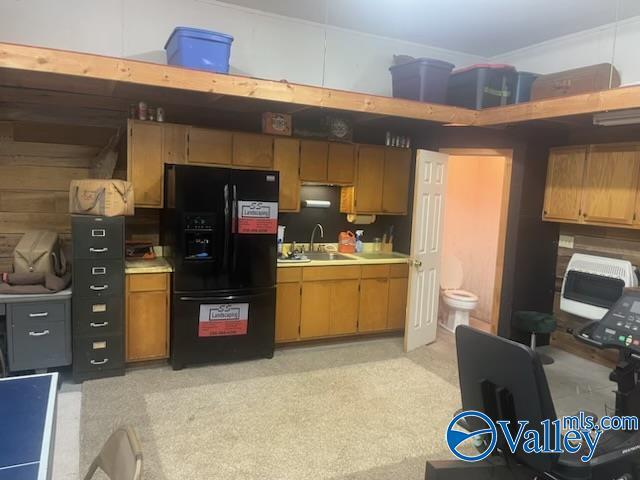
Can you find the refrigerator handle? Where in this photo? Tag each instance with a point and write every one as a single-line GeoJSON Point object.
{"type": "Point", "coordinates": [227, 229]}
{"type": "Point", "coordinates": [235, 228]}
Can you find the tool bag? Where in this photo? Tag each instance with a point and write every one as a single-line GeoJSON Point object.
{"type": "Point", "coordinates": [107, 198]}
{"type": "Point", "coordinates": [39, 251]}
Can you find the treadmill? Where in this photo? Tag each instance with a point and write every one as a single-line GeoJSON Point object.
{"type": "Point", "coordinates": [506, 381]}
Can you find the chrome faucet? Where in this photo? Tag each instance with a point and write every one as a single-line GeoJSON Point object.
{"type": "Point", "coordinates": [313, 234]}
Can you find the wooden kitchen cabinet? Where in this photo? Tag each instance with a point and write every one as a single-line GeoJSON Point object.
{"type": "Point", "coordinates": [563, 190]}
{"type": "Point", "coordinates": [313, 160]}
{"type": "Point", "coordinates": [315, 310]}
{"type": "Point", "coordinates": [147, 316]}
{"type": "Point", "coordinates": [209, 147]}
{"type": "Point", "coordinates": [366, 194]}
{"type": "Point", "coordinates": [287, 312]}
{"type": "Point", "coordinates": [288, 292]}
{"type": "Point", "coordinates": [611, 183]}
{"type": "Point", "coordinates": [397, 176]}
{"type": "Point", "coordinates": [145, 168]}
{"type": "Point", "coordinates": [398, 290]}
{"type": "Point", "coordinates": [341, 163]}
{"type": "Point", "coordinates": [374, 298]}
{"type": "Point", "coordinates": [252, 150]}
{"type": "Point", "coordinates": [174, 143]}
{"type": "Point", "coordinates": [344, 302]}
{"type": "Point", "coordinates": [286, 160]}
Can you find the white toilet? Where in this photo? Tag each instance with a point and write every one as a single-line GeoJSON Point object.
{"type": "Point", "coordinates": [459, 302]}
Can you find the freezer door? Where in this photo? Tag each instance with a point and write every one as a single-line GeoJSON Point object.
{"type": "Point", "coordinates": [254, 195]}
{"type": "Point", "coordinates": [220, 328]}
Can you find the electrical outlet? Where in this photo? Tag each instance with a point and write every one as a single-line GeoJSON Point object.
{"type": "Point", "coordinates": [565, 241]}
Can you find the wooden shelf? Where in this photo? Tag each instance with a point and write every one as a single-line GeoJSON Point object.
{"type": "Point", "coordinates": [555, 108]}
{"type": "Point", "coordinates": [75, 73]}
{"type": "Point", "coordinates": [36, 77]}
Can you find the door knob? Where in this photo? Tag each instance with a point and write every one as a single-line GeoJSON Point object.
{"type": "Point", "coordinates": [415, 263]}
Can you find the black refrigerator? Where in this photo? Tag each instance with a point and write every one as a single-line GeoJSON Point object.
{"type": "Point", "coordinates": [219, 229]}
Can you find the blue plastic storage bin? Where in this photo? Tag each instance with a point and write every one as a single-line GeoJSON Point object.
{"type": "Point", "coordinates": [197, 48]}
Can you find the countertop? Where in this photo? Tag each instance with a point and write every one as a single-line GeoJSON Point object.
{"type": "Point", "coordinates": [157, 265]}
{"type": "Point", "coordinates": [35, 297]}
{"type": "Point", "coordinates": [354, 259]}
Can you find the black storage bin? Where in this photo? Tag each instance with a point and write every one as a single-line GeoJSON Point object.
{"type": "Point", "coordinates": [424, 80]}
{"type": "Point", "coordinates": [524, 81]}
{"type": "Point", "coordinates": [482, 86]}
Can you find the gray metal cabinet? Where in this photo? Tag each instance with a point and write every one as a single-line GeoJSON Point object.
{"type": "Point", "coordinates": [98, 297]}
{"type": "Point", "coordinates": [38, 330]}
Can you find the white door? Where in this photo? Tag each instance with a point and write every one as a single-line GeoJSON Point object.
{"type": "Point", "coordinates": [426, 245]}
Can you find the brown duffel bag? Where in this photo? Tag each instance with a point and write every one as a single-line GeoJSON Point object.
{"type": "Point", "coordinates": [39, 251]}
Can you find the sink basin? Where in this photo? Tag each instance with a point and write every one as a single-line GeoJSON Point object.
{"type": "Point", "coordinates": [326, 256]}
{"type": "Point", "coordinates": [380, 255]}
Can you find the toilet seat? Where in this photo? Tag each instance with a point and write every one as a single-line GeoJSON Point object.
{"type": "Point", "coordinates": [460, 295]}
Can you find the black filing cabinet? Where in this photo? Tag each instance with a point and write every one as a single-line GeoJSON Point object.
{"type": "Point", "coordinates": [98, 296]}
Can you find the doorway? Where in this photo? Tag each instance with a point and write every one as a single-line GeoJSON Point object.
{"type": "Point", "coordinates": [474, 230]}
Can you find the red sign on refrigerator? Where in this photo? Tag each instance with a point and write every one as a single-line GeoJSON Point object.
{"type": "Point", "coordinates": [257, 217]}
{"type": "Point", "coordinates": [223, 319]}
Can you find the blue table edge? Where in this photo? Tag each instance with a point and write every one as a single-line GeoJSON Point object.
{"type": "Point", "coordinates": [46, 452]}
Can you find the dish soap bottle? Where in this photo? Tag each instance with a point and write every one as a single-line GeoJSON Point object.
{"type": "Point", "coordinates": [359, 244]}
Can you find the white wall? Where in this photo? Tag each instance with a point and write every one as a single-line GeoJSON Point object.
{"type": "Point", "coordinates": [265, 46]}
{"type": "Point", "coordinates": [583, 48]}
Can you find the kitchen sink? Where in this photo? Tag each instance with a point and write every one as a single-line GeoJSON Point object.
{"type": "Point", "coordinates": [326, 256]}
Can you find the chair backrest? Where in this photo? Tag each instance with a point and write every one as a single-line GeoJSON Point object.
{"type": "Point", "coordinates": [506, 381]}
{"type": "Point", "coordinates": [120, 457]}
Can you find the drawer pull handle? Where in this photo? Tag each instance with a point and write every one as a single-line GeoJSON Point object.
{"type": "Point", "coordinates": [39, 314]}
{"type": "Point", "coordinates": [98, 232]}
{"type": "Point", "coordinates": [99, 362]}
{"type": "Point", "coordinates": [99, 287]}
{"type": "Point", "coordinates": [39, 334]}
{"type": "Point", "coordinates": [99, 325]}
{"type": "Point", "coordinates": [98, 250]}
{"type": "Point", "coordinates": [98, 270]}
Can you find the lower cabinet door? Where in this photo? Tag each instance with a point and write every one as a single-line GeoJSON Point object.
{"type": "Point", "coordinates": [397, 302]}
{"type": "Point", "coordinates": [147, 326]}
{"type": "Point", "coordinates": [344, 307]}
{"type": "Point", "coordinates": [315, 309]}
{"type": "Point", "coordinates": [374, 298]}
{"type": "Point", "coordinates": [287, 312]}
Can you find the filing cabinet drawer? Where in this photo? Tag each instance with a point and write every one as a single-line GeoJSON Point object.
{"type": "Point", "coordinates": [39, 344]}
{"type": "Point", "coordinates": [97, 316]}
{"type": "Point", "coordinates": [98, 277]}
{"type": "Point", "coordinates": [97, 237]}
{"type": "Point", "coordinates": [98, 353]}
{"type": "Point", "coordinates": [43, 311]}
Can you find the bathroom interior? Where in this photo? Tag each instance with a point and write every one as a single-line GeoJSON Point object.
{"type": "Point", "coordinates": [476, 202]}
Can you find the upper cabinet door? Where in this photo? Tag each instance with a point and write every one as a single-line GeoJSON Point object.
{"type": "Point", "coordinates": [175, 143]}
{"type": "Point", "coordinates": [395, 192]}
{"type": "Point", "coordinates": [144, 163]}
{"type": "Point", "coordinates": [252, 150]}
{"type": "Point", "coordinates": [563, 191]}
{"type": "Point", "coordinates": [286, 160]}
{"type": "Point", "coordinates": [313, 160]}
{"type": "Point", "coordinates": [369, 181]}
{"type": "Point", "coordinates": [207, 146]}
{"type": "Point", "coordinates": [610, 185]}
{"type": "Point", "coordinates": [341, 164]}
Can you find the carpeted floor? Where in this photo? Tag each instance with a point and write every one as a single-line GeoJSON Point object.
{"type": "Point", "coordinates": [358, 410]}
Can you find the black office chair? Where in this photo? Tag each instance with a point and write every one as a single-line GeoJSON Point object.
{"type": "Point", "coordinates": [506, 381]}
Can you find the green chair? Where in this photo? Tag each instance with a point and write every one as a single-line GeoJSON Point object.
{"type": "Point", "coordinates": [535, 323]}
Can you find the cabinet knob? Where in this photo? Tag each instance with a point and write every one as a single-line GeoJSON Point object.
{"type": "Point", "coordinates": [545, 212]}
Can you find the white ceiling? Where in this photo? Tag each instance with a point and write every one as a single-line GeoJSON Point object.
{"type": "Point", "coordinates": [480, 27]}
